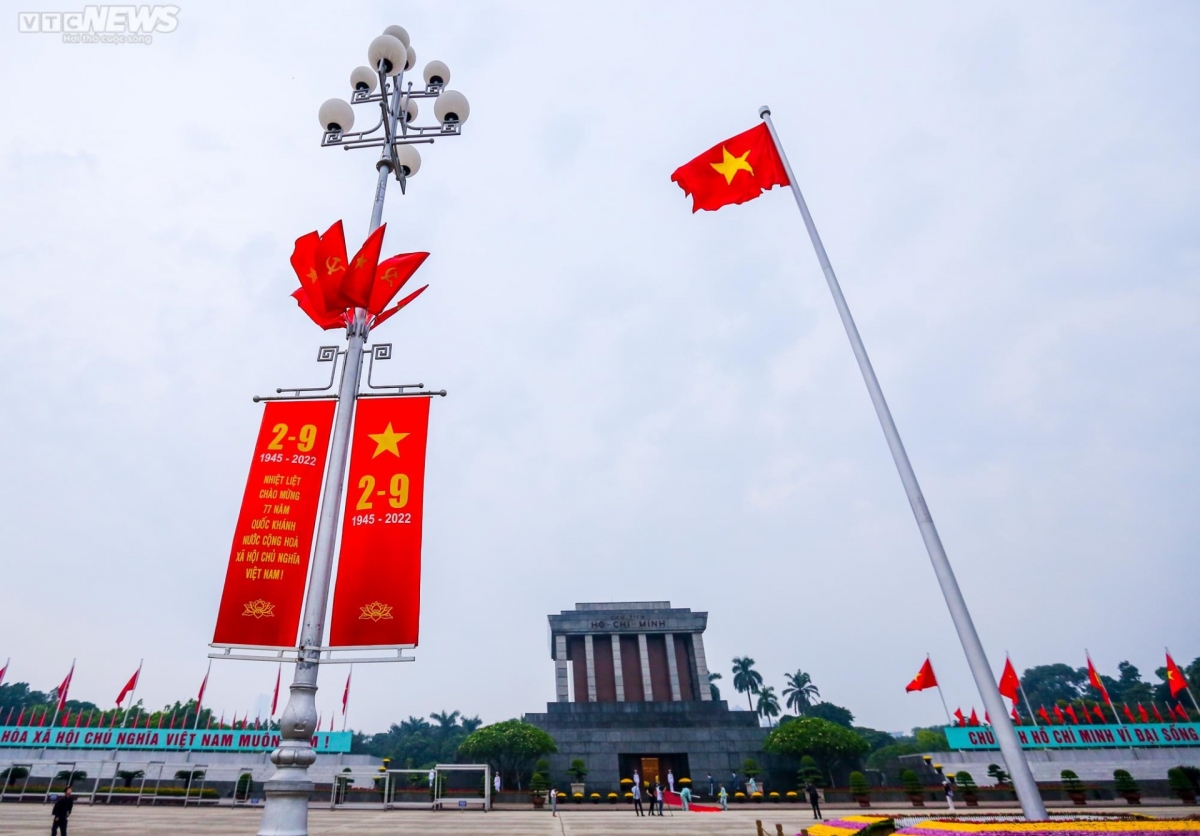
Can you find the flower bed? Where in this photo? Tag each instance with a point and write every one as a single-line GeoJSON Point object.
{"type": "Point", "coordinates": [1060, 827]}
{"type": "Point", "coordinates": [845, 826]}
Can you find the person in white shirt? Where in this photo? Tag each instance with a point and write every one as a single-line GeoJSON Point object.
{"type": "Point", "coordinates": [496, 782]}
{"type": "Point", "coordinates": [671, 780]}
{"type": "Point", "coordinates": [553, 801]}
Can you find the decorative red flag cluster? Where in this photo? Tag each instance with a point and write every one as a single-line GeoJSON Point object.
{"type": "Point", "coordinates": [924, 678]}
{"type": "Point", "coordinates": [377, 595]}
{"type": "Point", "coordinates": [332, 286]}
{"type": "Point", "coordinates": [268, 563]}
{"type": "Point", "coordinates": [737, 170]}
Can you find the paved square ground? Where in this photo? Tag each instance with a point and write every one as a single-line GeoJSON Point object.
{"type": "Point", "coordinates": [93, 821]}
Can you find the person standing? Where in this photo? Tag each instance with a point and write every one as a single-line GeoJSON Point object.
{"type": "Point", "coordinates": [733, 782]}
{"type": "Point", "coordinates": [553, 801]}
{"type": "Point", "coordinates": [948, 786]}
{"type": "Point", "coordinates": [685, 796]}
{"type": "Point", "coordinates": [751, 787]}
{"type": "Point", "coordinates": [658, 799]}
{"type": "Point", "coordinates": [496, 783]}
{"type": "Point", "coordinates": [814, 798]}
{"type": "Point", "coordinates": [637, 779]}
{"type": "Point", "coordinates": [432, 779]}
{"type": "Point", "coordinates": [712, 788]}
{"type": "Point", "coordinates": [724, 799]}
{"type": "Point", "coordinates": [671, 780]}
{"type": "Point", "coordinates": [61, 812]}
{"type": "Point", "coordinates": [637, 797]}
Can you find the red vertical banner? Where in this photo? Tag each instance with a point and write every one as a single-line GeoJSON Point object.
{"type": "Point", "coordinates": [268, 564]}
{"type": "Point", "coordinates": [377, 595]}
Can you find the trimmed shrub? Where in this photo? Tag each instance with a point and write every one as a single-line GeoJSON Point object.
{"type": "Point", "coordinates": [1071, 782]}
{"type": "Point", "coordinates": [910, 782]}
{"type": "Point", "coordinates": [1125, 782]}
{"type": "Point", "coordinates": [859, 785]}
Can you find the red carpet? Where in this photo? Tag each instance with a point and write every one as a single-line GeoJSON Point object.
{"type": "Point", "coordinates": [674, 799]}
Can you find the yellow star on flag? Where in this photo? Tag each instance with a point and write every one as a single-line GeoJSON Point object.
{"type": "Point", "coordinates": [387, 441]}
{"type": "Point", "coordinates": [731, 165]}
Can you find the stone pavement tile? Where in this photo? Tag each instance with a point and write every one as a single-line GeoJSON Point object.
{"type": "Point", "coordinates": [31, 819]}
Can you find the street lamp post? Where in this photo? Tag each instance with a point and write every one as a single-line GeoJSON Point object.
{"type": "Point", "coordinates": [391, 55]}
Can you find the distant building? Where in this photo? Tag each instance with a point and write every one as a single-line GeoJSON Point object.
{"type": "Point", "coordinates": [632, 693]}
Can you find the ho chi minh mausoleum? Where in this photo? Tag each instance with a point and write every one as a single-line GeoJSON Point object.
{"type": "Point", "coordinates": [632, 693]}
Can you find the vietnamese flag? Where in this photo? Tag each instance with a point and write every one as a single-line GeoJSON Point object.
{"type": "Point", "coordinates": [275, 698]}
{"type": "Point", "coordinates": [3, 671]}
{"type": "Point", "coordinates": [1094, 679]}
{"type": "Point", "coordinates": [1099, 714]}
{"type": "Point", "coordinates": [1142, 713]}
{"type": "Point", "coordinates": [1042, 713]}
{"type": "Point", "coordinates": [1128, 713]}
{"type": "Point", "coordinates": [1087, 718]}
{"type": "Point", "coordinates": [1181, 712]}
{"type": "Point", "coordinates": [1071, 713]}
{"type": "Point", "coordinates": [1157, 717]}
{"type": "Point", "coordinates": [974, 720]}
{"type": "Point", "coordinates": [1058, 713]}
{"type": "Point", "coordinates": [734, 171]}
{"type": "Point", "coordinates": [129, 686]}
{"type": "Point", "coordinates": [924, 678]}
{"type": "Point", "coordinates": [1175, 680]}
{"type": "Point", "coordinates": [1016, 717]}
{"type": "Point", "coordinates": [1009, 683]}
{"type": "Point", "coordinates": [958, 715]}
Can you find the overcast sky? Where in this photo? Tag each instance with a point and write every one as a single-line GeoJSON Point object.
{"type": "Point", "coordinates": [644, 403]}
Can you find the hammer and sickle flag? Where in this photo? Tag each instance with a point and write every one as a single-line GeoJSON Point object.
{"type": "Point", "coordinates": [734, 171]}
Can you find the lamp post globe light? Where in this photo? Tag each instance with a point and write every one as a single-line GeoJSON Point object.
{"type": "Point", "coordinates": [381, 83]}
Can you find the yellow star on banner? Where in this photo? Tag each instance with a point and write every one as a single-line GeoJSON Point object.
{"type": "Point", "coordinates": [731, 165]}
{"type": "Point", "coordinates": [387, 441]}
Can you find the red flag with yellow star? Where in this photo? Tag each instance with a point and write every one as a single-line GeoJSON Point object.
{"type": "Point", "coordinates": [734, 171]}
{"type": "Point", "coordinates": [1175, 680]}
{"type": "Point", "coordinates": [377, 594]}
{"type": "Point", "coordinates": [924, 678]}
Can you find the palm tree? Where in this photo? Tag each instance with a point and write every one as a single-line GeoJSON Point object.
{"type": "Point", "coordinates": [768, 703]}
{"type": "Point", "coordinates": [446, 721]}
{"type": "Point", "coordinates": [415, 725]}
{"type": "Point", "coordinates": [713, 676]}
{"type": "Point", "coordinates": [800, 691]}
{"type": "Point", "coordinates": [470, 724]}
{"type": "Point", "coordinates": [746, 680]}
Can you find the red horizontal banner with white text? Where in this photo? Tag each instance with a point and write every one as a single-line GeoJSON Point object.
{"type": "Point", "coordinates": [377, 595]}
{"type": "Point", "coordinates": [268, 564]}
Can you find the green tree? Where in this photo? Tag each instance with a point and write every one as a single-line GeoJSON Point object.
{"type": "Point", "coordinates": [1047, 684]}
{"type": "Point", "coordinates": [799, 691]}
{"type": "Point", "coordinates": [746, 680]}
{"type": "Point", "coordinates": [768, 703]}
{"type": "Point", "coordinates": [510, 747]}
{"type": "Point", "coordinates": [713, 676]}
{"type": "Point", "coordinates": [70, 776]}
{"type": "Point", "coordinates": [832, 713]}
{"type": "Point", "coordinates": [831, 744]}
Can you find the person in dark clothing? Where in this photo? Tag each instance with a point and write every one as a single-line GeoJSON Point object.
{"type": "Point", "coordinates": [814, 798]}
{"type": "Point", "coordinates": [61, 812]}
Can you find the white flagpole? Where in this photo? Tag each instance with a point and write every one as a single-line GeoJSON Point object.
{"type": "Point", "coordinates": [1006, 736]}
{"type": "Point", "coordinates": [941, 696]}
{"type": "Point", "coordinates": [133, 693]}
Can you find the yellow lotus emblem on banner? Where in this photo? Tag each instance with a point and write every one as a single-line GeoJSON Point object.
{"type": "Point", "coordinates": [375, 611]}
{"type": "Point", "coordinates": [259, 608]}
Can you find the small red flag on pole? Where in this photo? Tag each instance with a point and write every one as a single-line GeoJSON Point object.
{"type": "Point", "coordinates": [1099, 714]}
{"type": "Point", "coordinates": [1157, 717]}
{"type": "Point", "coordinates": [4, 670]}
{"type": "Point", "coordinates": [1175, 680]}
{"type": "Point", "coordinates": [1009, 683]}
{"type": "Point", "coordinates": [275, 697]}
{"type": "Point", "coordinates": [925, 678]}
{"type": "Point", "coordinates": [1128, 713]}
{"type": "Point", "coordinates": [1094, 679]}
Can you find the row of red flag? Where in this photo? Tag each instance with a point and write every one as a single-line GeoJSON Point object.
{"type": "Point", "coordinates": [97, 717]}
{"type": "Point", "coordinates": [1010, 687]}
